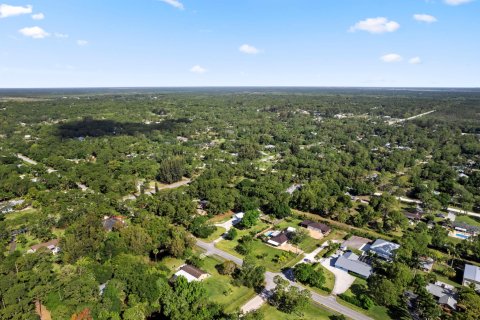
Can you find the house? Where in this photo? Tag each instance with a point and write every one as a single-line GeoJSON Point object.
{"type": "Point", "coordinates": [426, 264]}
{"type": "Point", "coordinates": [237, 217]}
{"type": "Point", "coordinates": [384, 249]}
{"type": "Point", "coordinates": [110, 222]}
{"type": "Point", "coordinates": [444, 293]}
{"type": "Point", "coordinates": [356, 243]}
{"type": "Point", "coordinates": [51, 245]}
{"type": "Point", "coordinates": [350, 262]}
{"type": "Point", "coordinates": [317, 230]}
{"type": "Point", "coordinates": [414, 216]}
{"type": "Point", "coordinates": [190, 273]}
{"type": "Point", "coordinates": [466, 228]}
{"type": "Point", "coordinates": [293, 188]}
{"type": "Point", "coordinates": [278, 239]}
{"type": "Point", "coordinates": [471, 275]}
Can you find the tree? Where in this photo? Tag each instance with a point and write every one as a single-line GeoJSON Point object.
{"type": "Point", "coordinates": [250, 219]}
{"type": "Point", "coordinates": [288, 299]}
{"type": "Point", "coordinates": [231, 234]}
{"type": "Point", "coordinates": [251, 275]}
{"type": "Point", "coordinates": [468, 304]}
{"type": "Point", "coordinates": [171, 170]}
{"type": "Point", "coordinates": [306, 273]}
{"type": "Point", "coordinates": [299, 236]}
{"type": "Point", "coordinates": [426, 306]}
{"type": "Point", "coordinates": [383, 291]}
{"type": "Point", "coordinates": [227, 267]}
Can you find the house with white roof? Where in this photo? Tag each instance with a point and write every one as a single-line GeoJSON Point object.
{"type": "Point", "coordinates": [471, 276]}
{"type": "Point", "coordinates": [190, 273]}
{"type": "Point", "coordinates": [384, 249]}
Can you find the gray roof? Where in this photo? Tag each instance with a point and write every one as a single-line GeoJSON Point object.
{"type": "Point", "coordinates": [444, 295]}
{"type": "Point", "coordinates": [384, 248]}
{"type": "Point", "coordinates": [355, 242]}
{"type": "Point", "coordinates": [471, 273]}
{"type": "Point", "coordinates": [281, 238]}
{"type": "Point", "coordinates": [350, 262]}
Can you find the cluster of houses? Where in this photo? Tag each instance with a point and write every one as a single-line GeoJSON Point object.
{"type": "Point", "coordinates": [360, 264]}
{"type": "Point", "coordinates": [316, 230]}
{"type": "Point", "coordinates": [457, 229]}
{"type": "Point", "coordinates": [446, 295]}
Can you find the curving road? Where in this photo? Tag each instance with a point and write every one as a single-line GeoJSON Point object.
{"type": "Point", "coordinates": [329, 301]}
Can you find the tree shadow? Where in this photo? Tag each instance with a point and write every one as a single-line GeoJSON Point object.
{"type": "Point", "coordinates": [89, 127]}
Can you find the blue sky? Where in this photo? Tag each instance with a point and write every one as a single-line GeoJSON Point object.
{"type": "Point", "coordinates": [92, 43]}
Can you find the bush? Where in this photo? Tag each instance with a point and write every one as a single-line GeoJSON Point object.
{"type": "Point", "coordinates": [227, 268]}
{"type": "Point", "coordinates": [231, 234]}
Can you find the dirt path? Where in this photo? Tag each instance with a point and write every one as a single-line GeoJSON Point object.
{"type": "Point", "coordinates": [42, 311]}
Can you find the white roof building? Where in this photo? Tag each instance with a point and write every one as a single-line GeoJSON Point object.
{"type": "Point", "coordinates": [384, 249]}
{"type": "Point", "coordinates": [471, 276]}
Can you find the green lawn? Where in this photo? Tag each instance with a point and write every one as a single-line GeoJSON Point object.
{"type": "Point", "coordinates": [468, 220]}
{"type": "Point", "coordinates": [377, 312]}
{"type": "Point", "coordinates": [19, 214]}
{"type": "Point", "coordinates": [172, 263]}
{"type": "Point", "coordinates": [311, 312]}
{"type": "Point", "coordinates": [309, 244]}
{"type": "Point", "coordinates": [336, 234]}
{"type": "Point", "coordinates": [229, 245]}
{"type": "Point", "coordinates": [221, 290]}
{"type": "Point", "coordinates": [217, 234]}
{"type": "Point", "coordinates": [269, 257]}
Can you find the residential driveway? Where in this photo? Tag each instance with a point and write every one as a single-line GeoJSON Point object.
{"type": "Point", "coordinates": [227, 225]}
{"type": "Point", "coordinates": [311, 256]}
{"type": "Point", "coordinates": [254, 303]}
{"type": "Point", "coordinates": [343, 280]}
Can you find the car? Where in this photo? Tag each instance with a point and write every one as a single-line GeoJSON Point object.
{"type": "Point", "coordinates": [307, 260]}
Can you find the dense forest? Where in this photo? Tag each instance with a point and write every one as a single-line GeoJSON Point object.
{"type": "Point", "coordinates": [170, 162]}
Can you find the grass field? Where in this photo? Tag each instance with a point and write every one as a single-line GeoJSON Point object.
{"type": "Point", "coordinates": [221, 290]}
{"type": "Point", "coordinates": [468, 220]}
{"type": "Point", "coordinates": [218, 232]}
{"type": "Point", "coordinates": [311, 312]}
{"type": "Point", "coordinates": [272, 259]}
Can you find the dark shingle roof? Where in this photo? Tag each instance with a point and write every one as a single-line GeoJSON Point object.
{"type": "Point", "coordinates": [281, 238]}
{"type": "Point", "coordinates": [316, 225]}
{"type": "Point", "coordinates": [195, 272]}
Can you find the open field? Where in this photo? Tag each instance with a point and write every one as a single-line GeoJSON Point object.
{"type": "Point", "coordinates": [311, 312]}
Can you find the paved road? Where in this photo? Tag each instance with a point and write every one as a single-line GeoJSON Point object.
{"type": "Point", "coordinates": [411, 118]}
{"type": "Point", "coordinates": [329, 301]}
{"type": "Point", "coordinates": [49, 170]}
{"type": "Point", "coordinates": [455, 210]}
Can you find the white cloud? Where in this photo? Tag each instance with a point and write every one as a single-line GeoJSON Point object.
{"type": "Point", "coordinates": [34, 32]}
{"type": "Point", "coordinates": [82, 43]}
{"type": "Point", "coordinates": [425, 18]}
{"type": "Point", "coordinates": [456, 2]}
{"type": "Point", "coordinates": [391, 57]}
{"type": "Point", "coordinates": [38, 16]}
{"type": "Point", "coordinates": [198, 69]}
{"type": "Point", "coordinates": [11, 11]}
{"type": "Point", "coordinates": [415, 60]}
{"type": "Point", "coordinates": [248, 49]}
{"type": "Point", "coordinates": [376, 25]}
{"type": "Point", "coordinates": [60, 35]}
{"type": "Point", "coordinates": [174, 3]}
